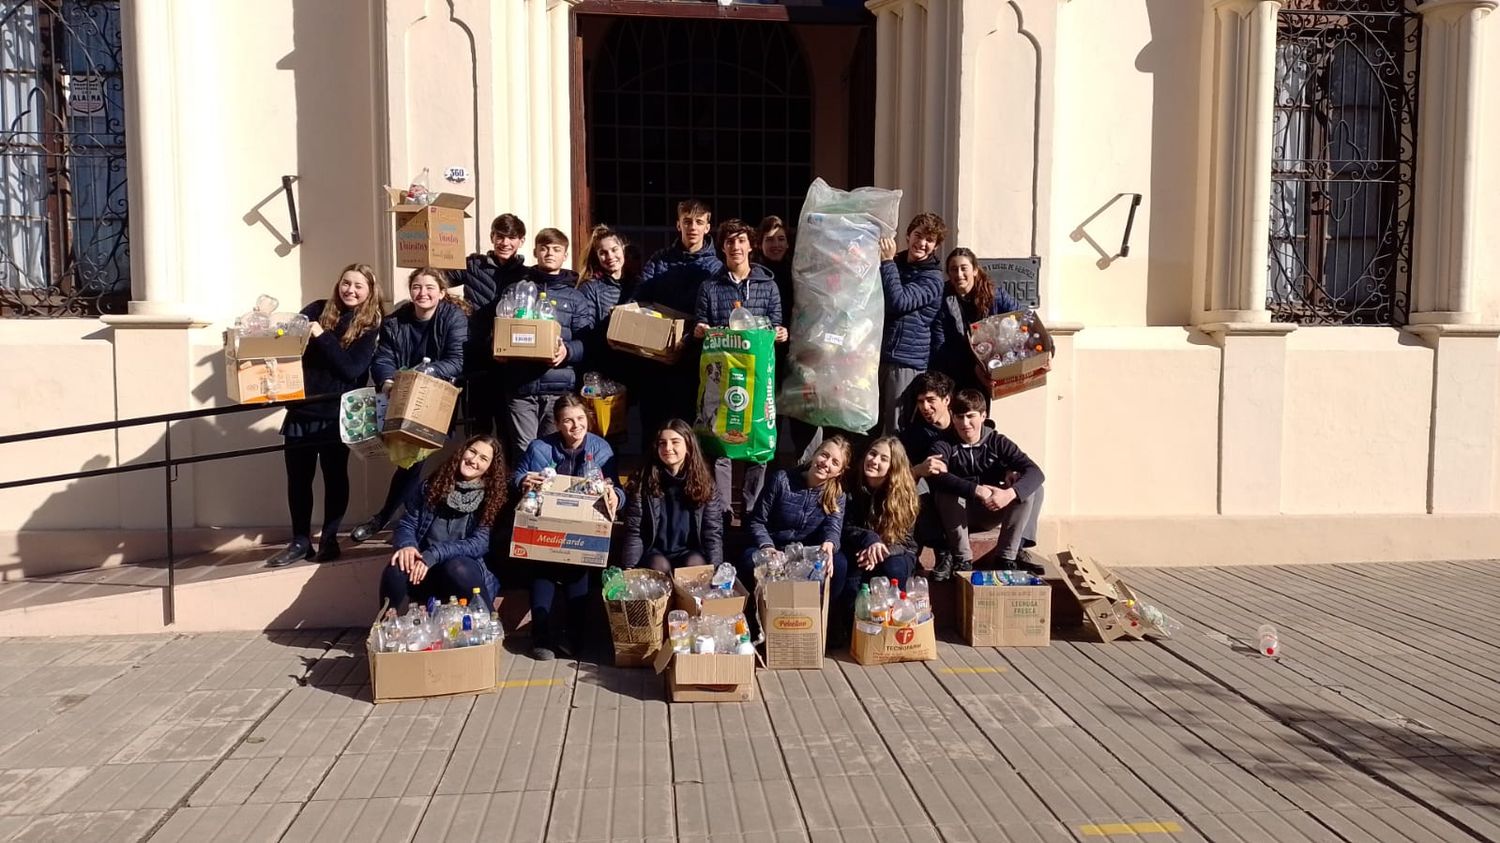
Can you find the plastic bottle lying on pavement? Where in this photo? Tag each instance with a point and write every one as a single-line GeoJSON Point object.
{"type": "Point", "coordinates": [1267, 641]}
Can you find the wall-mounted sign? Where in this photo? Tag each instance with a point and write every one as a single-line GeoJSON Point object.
{"type": "Point", "coordinates": [86, 95]}
{"type": "Point", "coordinates": [1019, 276]}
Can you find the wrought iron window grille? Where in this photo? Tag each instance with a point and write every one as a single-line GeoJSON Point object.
{"type": "Point", "coordinates": [1344, 161]}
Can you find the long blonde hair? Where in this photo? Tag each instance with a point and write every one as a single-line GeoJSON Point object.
{"type": "Point", "coordinates": [893, 507]}
{"type": "Point", "coordinates": [367, 318]}
{"type": "Point", "coordinates": [833, 487]}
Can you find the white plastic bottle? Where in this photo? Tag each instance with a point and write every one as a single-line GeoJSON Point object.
{"type": "Point", "coordinates": [741, 319]}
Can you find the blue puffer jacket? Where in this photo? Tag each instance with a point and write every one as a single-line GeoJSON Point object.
{"type": "Point", "coordinates": [758, 293]}
{"type": "Point", "coordinates": [574, 316]}
{"type": "Point", "coordinates": [788, 510]}
{"type": "Point", "coordinates": [412, 529]}
{"type": "Point", "coordinates": [484, 276]}
{"type": "Point", "coordinates": [912, 291]}
{"type": "Point", "coordinates": [951, 353]}
{"type": "Point", "coordinates": [672, 276]}
{"type": "Point", "coordinates": [404, 341]}
{"type": "Point", "coordinates": [549, 451]}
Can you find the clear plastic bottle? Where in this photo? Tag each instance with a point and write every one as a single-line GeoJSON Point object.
{"type": "Point", "coordinates": [546, 308]}
{"type": "Point", "coordinates": [880, 606]}
{"type": "Point", "coordinates": [743, 646]}
{"type": "Point", "coordinates": [679, 631]}
{"type": "Point", "coordinates": [1268, 642]}
{"type": "Point", "coordinates": [531, 504]}
{"type": "Point", "coordinates": [525, 299]}
{"type": "Point", "coordinates": [903, 613]}
{"type": "Point", "coordinates": [921, 597]}
{"type": "Point", "coordinates": [723, 581]}
{"type": "Point", "coordinates": [741, 319]}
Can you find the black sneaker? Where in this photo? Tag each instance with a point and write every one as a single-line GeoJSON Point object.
{"type": "Point", "coordinates": [942, 566]}
{"type": "Point", "coordinates": [542, 653]}
{"type": "Point", "coordinates": [366, 531]}
{"type": "Point", "coordinates": [962, 565]}
{"type": "Point", "coordinates": [1027, 562]}
{"type": "Point", "coordinates": [294, 552]}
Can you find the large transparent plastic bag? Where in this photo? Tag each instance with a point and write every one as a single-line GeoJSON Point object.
{"type": "Point", "coordinates": [839, 312]}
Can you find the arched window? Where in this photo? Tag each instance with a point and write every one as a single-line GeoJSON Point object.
{"type": "Point", "coordinates": [1344, 161]}
{"type": "Point", "coordinates": [715, 110]}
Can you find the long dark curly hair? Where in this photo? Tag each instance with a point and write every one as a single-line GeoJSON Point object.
{"type": "Point", "coordinates": [496, 489]}
{"type": "Point", "coordinates": [981, 298]}
{"type": "Point", "coordinates": [696, 480]}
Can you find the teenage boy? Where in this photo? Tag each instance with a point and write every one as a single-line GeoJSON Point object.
{"type": "Point", "coordinates": [931, 419]}
{"type": "Point", "coordinates": [534, 386]}
{"type": "Point", "coordinates": [483, 278]}
{"type": "Point", "coordinates": [913, 284]}
{"type": "Point", "coordinates": [671, 278]}
{"type": "Point", "coordinates": [754, 288]}
{"type": "Point", "coordinates": [987, 482]}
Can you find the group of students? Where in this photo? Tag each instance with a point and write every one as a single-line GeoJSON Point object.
{"type": "Point", "coordinates": [935, 470]}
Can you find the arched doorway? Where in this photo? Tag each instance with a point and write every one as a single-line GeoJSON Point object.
{"type": "Point", "coordinates": [719, 110]}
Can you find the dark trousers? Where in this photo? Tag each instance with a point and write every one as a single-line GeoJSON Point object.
{"type": "Point", "coordinates": [404, 484]}
{"type": "Point", "coordinates": [456, 577]}
{"type": "Point", "coordinates": [665, 393]}
{"type": "Point", "coordinates": [547, 579]}
{"type": "Point", "coordinates": [750, 486]}
{"type": "Point", "coordinates": [658, 561]}
{"type": "Point", "coordinates": [302, 459]}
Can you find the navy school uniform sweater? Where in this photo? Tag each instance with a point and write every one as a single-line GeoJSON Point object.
{"type": "Point", "coordinates": [328, 368]}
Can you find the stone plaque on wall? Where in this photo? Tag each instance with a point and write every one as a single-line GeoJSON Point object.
{"type": "Point", "coordinates": [1019, 276]}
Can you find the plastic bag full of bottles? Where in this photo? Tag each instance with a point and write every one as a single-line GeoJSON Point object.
{"type": "Point", "coordinates": [839, 312]}
{"type": "Point", "coordinates": [709, 634]}
{"type": "Point", "coordinates": [617, 586]}
{"type": "Point", "coordinates": [461, 622]}
{"type": "Point", "coordinates": [793, 562]}
{"type": "Point", "coordinates": [596, 385]}
{"type": "Point", "coordinates": [1007, 338]}
{"type": "Point", "coordinates": [265, 321]}
{"type": "Point", "coordinates": [881, 602]}
{"type": "Point", "coordinates": [521, 300]}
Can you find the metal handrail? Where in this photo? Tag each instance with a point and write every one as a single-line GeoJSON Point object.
{"type": "Point", "coordinates": [167, 463]}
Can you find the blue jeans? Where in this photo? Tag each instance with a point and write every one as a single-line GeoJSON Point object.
{"type": "Point", "coordinates": [456, 577]}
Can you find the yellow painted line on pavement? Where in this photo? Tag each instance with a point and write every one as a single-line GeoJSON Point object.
{"type": "Point", "coordinates": [971, 670]}
{"type": "Point", "coordinates": [530, 683]}
{"type": "Point", "coordinates": [1111, 829]}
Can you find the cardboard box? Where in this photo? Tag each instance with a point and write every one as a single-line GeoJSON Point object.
{"type": "Point", "coordinates": [653, 337]}
{"type": "Point", "coordinates": [636, 627]}
{"type": "Point", "coordinates": [439, 673]}
{"type": "Point", "coordinates": [693, 677]}
{"type": "Point", "coordinates": [571, 528]}
{"type": "Point", "coordinates": [1099, 593]}
{"type": "Point", "coordinates": [875, 644]}
{"type": "Point", "coordinates": [430, 235]}
{"type": "Point", "coordinates": [264, 381]}
{"type": "Point", "coordinates": [241, 347]}
{"type": "Point", "coordinates": [1004, 615]}
{"type": "Point", "coordinates": [682, 596]}
{"type": "Point", "coordinates": [1023, 374]}
{"type": "Point", "coordinates": [607, 414]}
{"type": "Point", "coordinates": [525, 339]}
{"type": "Point", "coordinates": [259, 370]}
{"type": "Point", "coordinates": [420, 410]}
{"type": "Point", "coordinates": [794, 620]}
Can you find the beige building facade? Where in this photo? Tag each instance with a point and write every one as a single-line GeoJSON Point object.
{"type": "Point", "coordinates": [1297, 360]}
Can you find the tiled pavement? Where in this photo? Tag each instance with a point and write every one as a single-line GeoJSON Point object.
{"type": "Point", "coordinates": [1380, 723]}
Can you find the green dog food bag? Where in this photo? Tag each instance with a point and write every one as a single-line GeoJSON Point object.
{"type": "Point", "coordinates": [737, 394]}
